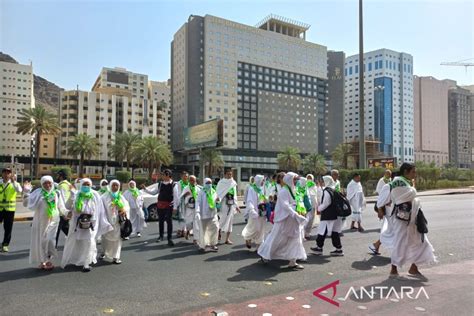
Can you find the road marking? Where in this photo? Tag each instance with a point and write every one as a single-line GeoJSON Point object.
{"type": "Point", "coordinates": [306, 306]}
{"type": "Point", "coordinates": [394, 300]}
{"type": "Point", "coordinates": [420, 309]}
{"type": "Point", "coordinates": [267, 283]}
{"type": "Point", "coordinates": [252, 305]}
{"type": "Point", "coordinates": [362, 307]}
{"type": "Point", "coordinates": [205, 294]}
{"type": "Point", "coordinates": [108, 311]}
{"type": "Point", "coordinates": [290, 298]}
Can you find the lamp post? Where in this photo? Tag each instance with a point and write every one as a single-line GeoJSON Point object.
{"type": "Point", "coordinates": [380, 98]}
{"type": "Point", "coordinates": [362, 153]}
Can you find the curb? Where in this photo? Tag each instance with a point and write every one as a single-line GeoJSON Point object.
{"type": "Point", "coordinates": [23, 219]}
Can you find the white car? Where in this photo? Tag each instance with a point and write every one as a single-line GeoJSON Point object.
{"type": "Point", "coordinates": [149, 203]}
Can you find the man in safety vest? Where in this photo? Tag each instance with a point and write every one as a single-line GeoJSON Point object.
{"type": "Point", "coordinates": [8, 190]}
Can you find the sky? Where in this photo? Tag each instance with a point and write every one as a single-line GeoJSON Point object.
{"type": "Point", "coordinates": [70, 41]}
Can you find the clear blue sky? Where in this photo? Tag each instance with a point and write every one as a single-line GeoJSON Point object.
{"type": "Point", "coordinates": [69, 41]}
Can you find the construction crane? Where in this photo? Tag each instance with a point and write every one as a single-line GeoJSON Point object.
{"type": "Point", "coordinates": [459, 63]}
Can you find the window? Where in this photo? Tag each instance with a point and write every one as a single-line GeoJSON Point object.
{"type": "Point", "coordinates": [370, 66]}
{"type": "Point", "coordinates": [356, 69]}
{"type": "Point", "coordinates": [350, 70]}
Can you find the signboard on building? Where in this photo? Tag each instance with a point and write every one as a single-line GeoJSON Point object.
{"type": "Point", "coordinates": [386, 163]}
{"type": "Point", "coordinates": [207, 134]}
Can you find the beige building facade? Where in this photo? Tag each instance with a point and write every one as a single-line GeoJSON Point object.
{"type": "Point", "coordinates": [16, 93]}
{"type": "Point", "coordinates": [431, 119]}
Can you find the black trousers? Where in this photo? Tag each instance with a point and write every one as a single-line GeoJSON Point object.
{"type": "Point", "coordinates": [63, 227]}
{"type": "Point", "coordinates": [336, 240]}
{"type": "Point", "coordinates": [165, 215]}
{"type": "Point", "coordinates": [7, 218]}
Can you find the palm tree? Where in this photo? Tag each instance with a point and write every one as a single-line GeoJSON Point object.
{"type": "Point", "coordinates": [212, 160]}
{"type": "Point", "coordinates": [314, 164]}
{"type": "Point", "coordinates": [153, 153]}
{"type": "Point", "coordinates": [37, 121]}
{"type": "Point", "coordinates": [122, 148]}
{"type": "Point", "coordinates": [340, 155]}
{"type": "Point", "coordinates": [289, 159]}
{"type": "Point", "coordinates": [83, 146]}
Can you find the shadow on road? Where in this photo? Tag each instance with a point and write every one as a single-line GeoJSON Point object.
{"type": "Point", "coordinates": [27, 273]}
{"type": "Point", "coordinates": [259, 271]}
{"type": "Point", "coordinates": [13, 255]}
{"type": "Point", "coordinates": [235, 255]}
{"type": "Point", "coordinates": [374, 261]}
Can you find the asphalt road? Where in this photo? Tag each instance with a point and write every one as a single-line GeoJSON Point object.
{"type": "Point", "coordinates": [155, 279]}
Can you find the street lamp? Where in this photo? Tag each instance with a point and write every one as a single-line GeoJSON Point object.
{"type": "Point", "coordinates": [362, 153]}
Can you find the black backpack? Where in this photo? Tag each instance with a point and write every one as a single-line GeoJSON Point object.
{"type": "Point", "coordinates": [421, 224]}
{"type": "Point", "coordinates": [125, 226]}
{"type": "Point", "coordinates": [340, 203]}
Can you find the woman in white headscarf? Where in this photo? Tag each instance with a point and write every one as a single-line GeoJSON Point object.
{"type": "Point", "coordinates": [331, 223]}
{"type": "Point", "coordinates": [88, 222]}
{"type": "Point", "coordinates": [255, 208]}
{"type": "Point", "coordinates": [206, 215]}
{"type": "Point", "coordinates": [285, 240]}
{"type": "Point", "coordinates": [313, 193]}
{"type": "Point", "coordinates": [134, 198]}
{"type": "Point", "coordinates": [47, 204]}
{"type": "Point", "coordinates": [115, 206]}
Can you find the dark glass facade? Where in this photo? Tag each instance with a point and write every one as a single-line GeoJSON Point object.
{"type": "Point", "coordinates": [383, 112]}
{"type": "Point", "coordinates": [253, 78]}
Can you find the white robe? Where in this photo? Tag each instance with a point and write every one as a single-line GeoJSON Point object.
{"type": "Point", "coordinates": [137, 216]}
{"type": "Point", "coordinates": [227, 212]}
{"type": "Point", "coordinates": [178, 204]}
{"type": "Point", "coordinates": [111, 241]}
{"type": "Point", "coordinates": [334, 225]}
{"type": "Point", "coordinates": [255, 228]}
{"type": "Point", "coordinates": [80, 248]}
{"type": "Point", "coordinates": [313, 218]}
{"type": "Point", "coordinates": [380, 185]}
{"type": "Point", "coordinates": [401, 237]}
{"type": "Point", "coordinates": [207, 221]}
{"type": "Point", "coordinates": [285, 240]}
{"type": "Point", "coordinates": [355, 195]}
{"type": "Point", "coordinates": [189, 212]}
{"type": "Point", "coordinates": [43, 228]}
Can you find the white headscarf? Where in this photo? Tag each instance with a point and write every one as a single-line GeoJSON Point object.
{"type": "Point", "coordinates": [86, 180]}
{"type": "Point", "coordinates": [252, 178]}
{"type": "Point", "coordinates": [302, 182]}
{"type": "Point", "coordinates": [207, 180]}
{"type": "Point", "coordinates": [102, 182]}
{"type": "Point", "coordinates": [288, 180]}
{"type": "Point", "coordinates": [131, 181]}
{"type": "Point", "coordinates": [47, 179]}
{"type": "Point", "coordinates": [310, 176]}
{"type": "Point", "coordinates": [329, 182]}
{"type": "Point", "coordinates": [258, 179]}
{"type": "Point", "coordinates": [112, 182]}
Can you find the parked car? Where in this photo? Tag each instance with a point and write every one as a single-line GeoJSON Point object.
{"type": "Point", "coordinates": [149, 204]}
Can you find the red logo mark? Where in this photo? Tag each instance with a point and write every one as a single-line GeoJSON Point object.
{"type": "Point", "coordinates": [332, 285]}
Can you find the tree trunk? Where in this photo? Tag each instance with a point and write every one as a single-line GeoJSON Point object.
{"type": "Point", "coordinates": [37, 145]}
{"type": "Point", "coordinates": [150, 171]}
{"type": "Point", "coordinates": [81, 165]}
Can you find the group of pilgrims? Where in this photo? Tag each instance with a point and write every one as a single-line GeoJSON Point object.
{"type": "Point", "coordinates": [293, 204]}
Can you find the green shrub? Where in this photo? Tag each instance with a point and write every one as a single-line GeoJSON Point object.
{"type": "Point", "coordinates": [123, 176]}
{"type": "Point", "coordinates": [141, 180]}
{"type": "Point", "coordinates": [35, 184]}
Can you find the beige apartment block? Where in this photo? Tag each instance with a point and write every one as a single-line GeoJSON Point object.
{"type": "Point", "coordinates": [16, 93]}
{"type": "Point", "coordinates": [431, 119]}
{"type": "Point", "coordinates": [159, 96]}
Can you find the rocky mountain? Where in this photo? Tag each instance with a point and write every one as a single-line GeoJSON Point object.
{"type": "Point", "coordinates": [46, 92]}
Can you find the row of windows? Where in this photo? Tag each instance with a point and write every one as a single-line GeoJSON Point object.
{"type": "Point", "coordinates": [17, 71]}
{"type": "Point", "coordinates": [379, 65]}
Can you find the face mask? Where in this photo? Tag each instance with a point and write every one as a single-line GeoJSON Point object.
{"type": "Point", "coordinates": [207, 186]}
{"type": "Point", "coordinates": [85, 189]}
{"type": "Point", "coordinates": [114, 194]}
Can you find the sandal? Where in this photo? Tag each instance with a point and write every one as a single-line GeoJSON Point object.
{"type": "Point", "coordinates": [374, 250]}
{"type": "Point", "coordinates": [296, 267]}
{"type": "Point", "coordinates": [248, 244]}
{"type": "Point", "coordinates": [49, 266]}
{"type": "Point", "coordinates": [228, 242]}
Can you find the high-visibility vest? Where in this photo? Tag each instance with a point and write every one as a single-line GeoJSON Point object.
{"type": "Point", "coordinates": [7, 197]}
{"type": "Point", "coordinates": [65, 188]}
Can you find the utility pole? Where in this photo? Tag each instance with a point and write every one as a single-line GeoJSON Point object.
{"type": "Point", "coordinates": [362, 154]}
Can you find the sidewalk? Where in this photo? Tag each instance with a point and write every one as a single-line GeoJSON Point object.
{"type": "Point", "coordinates": [23, 214]}
{"type": "Point", "coordinates": [373, 199]}
{"type": "Point", "coordinates": [448, 290]}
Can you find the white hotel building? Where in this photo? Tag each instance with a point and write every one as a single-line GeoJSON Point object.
{"type": "Point", "coordinates": [388, 99]}
{"type": "Point", "coordinates": [16, 93]}
{"type": "Point", "coordinates": [266, 82]}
